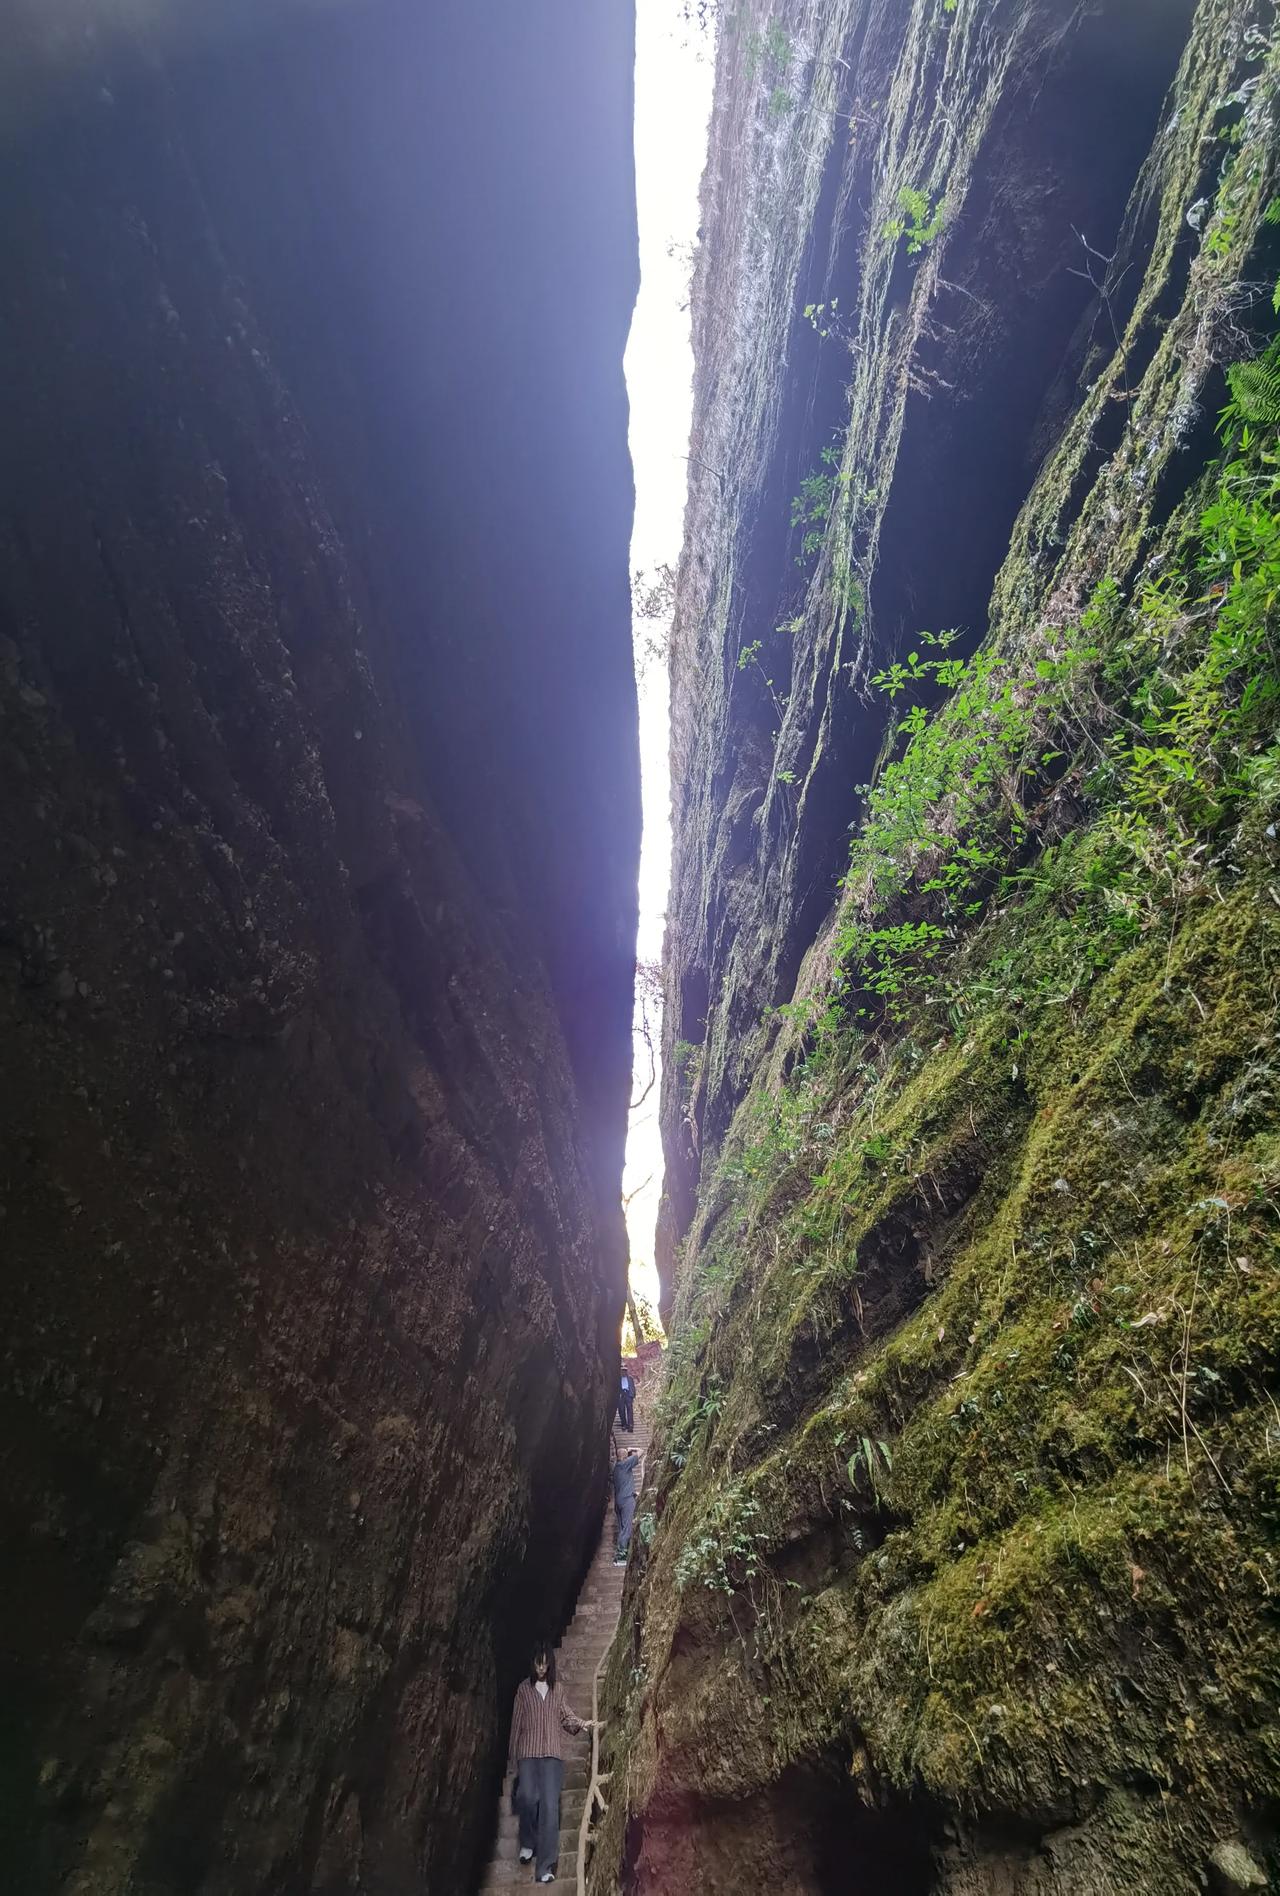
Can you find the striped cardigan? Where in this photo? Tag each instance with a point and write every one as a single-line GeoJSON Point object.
{"type": "Point", "coordinates": [537, 1724]}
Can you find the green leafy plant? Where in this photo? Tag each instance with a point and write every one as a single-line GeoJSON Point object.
{"type": "Point", "coordinates": [1271, 215]}
{"type": "Point", "coordinates": [777, 42]}
{"type": "Point", "coordinates": [686, 1059]}
{"type": "Point", "coordinates": [824, 318]}
{"type": "Point", "coordinates": [872, 1461]}
{"type": "Point", "coordinates": [847, 590]}
{"type": "Point", "coordinates": [1255, 392]}
{"type": "Point", "coordinates": [749, 657]}
{"type": "Point", "coordinates": [772, 45]}
{"type": "Point", "coordinates": [918, 220]}
{"type": "Point", "coordinates": [726, 1554]}
{"type": "Point", "coordinates": [1175, 693]}
{"type": "Point", "coordinates": [812, 507]}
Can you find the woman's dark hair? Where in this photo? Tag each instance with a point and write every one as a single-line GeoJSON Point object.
{"type": "Point", "coordinates": [542, 1652]}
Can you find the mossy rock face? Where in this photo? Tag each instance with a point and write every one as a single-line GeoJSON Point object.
{"type": "Point", "coordinates": [965, 1543]}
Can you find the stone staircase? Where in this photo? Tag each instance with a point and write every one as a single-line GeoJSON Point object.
{"type": "Point", "coordinates": [587, 1637]}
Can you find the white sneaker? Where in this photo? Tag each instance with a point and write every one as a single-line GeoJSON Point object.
{"type": "Point", "coordinates": [550, 1877]}
{"type": "Point", "coordinates": [526, 1856]}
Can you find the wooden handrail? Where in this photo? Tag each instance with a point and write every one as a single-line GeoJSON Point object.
{"type": "Point", "coordinates": [593, 1789]}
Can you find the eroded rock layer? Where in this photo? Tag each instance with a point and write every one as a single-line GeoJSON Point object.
{"type": "Point", "coordinates": [961, 1567]}
{"type": "Point", "coordinates": [317, 765]}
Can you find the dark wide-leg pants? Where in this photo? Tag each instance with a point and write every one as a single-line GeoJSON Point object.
{"type": "Point", "coordinates": [537, 1800]}
{"type": "Point", "coordinates": [626, 1411]}
{"type": "Point", "coordinates": [625, 1510]}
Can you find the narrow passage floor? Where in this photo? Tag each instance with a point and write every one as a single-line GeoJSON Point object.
{"type": "Point", "coordinates": [588, 1636]}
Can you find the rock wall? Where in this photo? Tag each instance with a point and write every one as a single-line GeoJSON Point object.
{"type": "Point", "coordinates": [317, 892]}
{"type": "Point", "coordinates": [958, 1574]}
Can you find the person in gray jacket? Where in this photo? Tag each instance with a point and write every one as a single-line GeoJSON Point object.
{"type": "Point", "coordinates": [625, 1475]}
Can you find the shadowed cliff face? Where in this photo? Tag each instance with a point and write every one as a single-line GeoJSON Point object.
{"type": "Point", "coordinates": [957, 1570]}
{"type": "Point", "coordinates": [317, 878]}
{"type": "Point", "coordinates": [937, 410]}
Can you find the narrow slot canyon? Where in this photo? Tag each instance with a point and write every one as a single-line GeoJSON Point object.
{"type": "Point", "coordinates": [639, 937]}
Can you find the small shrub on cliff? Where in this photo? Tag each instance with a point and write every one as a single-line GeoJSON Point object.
{"type": "Point", "coordinates": [1161, 712]}
{"type": "Point", "coordinates": [823, 318]}
{"type": "Point", "coordinates": [847, 590]}
{"type": "Point", "coordinates": [772, 46]}
{"type": "Point", "coordinates": [726, 1554]}
{"type": "Point", "coordinates": [918, 220]}
{"type": "Point", "coordinates": [820, 493]}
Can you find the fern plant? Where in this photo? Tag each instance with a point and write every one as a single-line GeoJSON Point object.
{"type": "Point", "coordinates": [1255, 392]}
{"type": "Point", "coordinates": [872, 1458]}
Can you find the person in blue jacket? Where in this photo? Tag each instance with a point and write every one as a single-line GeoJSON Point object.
{"type": "Point", "coordinates": [626, 1402]}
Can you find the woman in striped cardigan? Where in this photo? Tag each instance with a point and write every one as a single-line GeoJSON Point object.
{"type": "Point", "coordinates": [539, 1720]}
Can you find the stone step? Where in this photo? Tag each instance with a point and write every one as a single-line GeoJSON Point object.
{"type": "Point", "coordinates": [507, 1848]}
{"type": "Point", "coordinates": [506, 1859]}
{"type": "Point", "coordinates": [524, 1874]}
{"type": "Point", "coordinates": [510, 1870]}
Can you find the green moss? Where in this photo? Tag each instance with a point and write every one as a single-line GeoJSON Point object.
{"type": "Point", "coordinates": [1023, 1226]}
{"type": "Point", "coordinates": [1073, 1552]}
